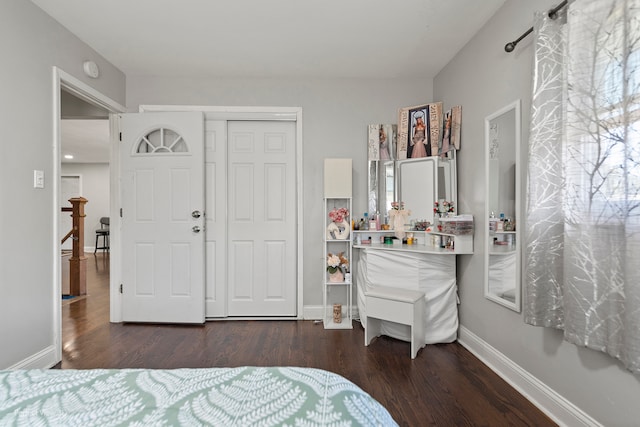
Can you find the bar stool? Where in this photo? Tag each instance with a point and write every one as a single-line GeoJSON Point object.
{"type": "Point", "coordinates": [103, 232]}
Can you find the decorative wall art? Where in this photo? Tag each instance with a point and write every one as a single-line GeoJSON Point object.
{"type": "Point", "coordinates": [456, 123]}
{"type": "Point", "coordinates": [382, 141]}
{"type": "Point", "coordinates": [418, 141]}
{"type": "Point", "coordinates": [419, 131]}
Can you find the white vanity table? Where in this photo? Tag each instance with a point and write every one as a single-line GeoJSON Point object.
{"type": "Point", "coordinates": [426, 266]}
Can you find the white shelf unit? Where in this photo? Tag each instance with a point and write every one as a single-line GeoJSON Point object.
{"type": "Point", "coordinates": [427, 242]}
{"type": "Point", "coordinates": [337, 292]}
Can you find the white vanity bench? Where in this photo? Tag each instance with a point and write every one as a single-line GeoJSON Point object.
{"type": "Point", "coordinates": [396, 305]}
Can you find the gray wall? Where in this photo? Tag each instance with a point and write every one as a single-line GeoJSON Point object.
{"type": "Point", "coordinates": [31, 43]}
{"type": "Point", "coordinates": [335, 118]}
{"type": "Point", "coordinates": [72, 107]}
{"type": "Point", "coordinates": [95, 188]}
{"type": "Point", "coordinates": [483, 78]}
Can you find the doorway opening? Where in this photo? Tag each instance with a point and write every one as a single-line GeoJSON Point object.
{"type": "Point", "coordinates": [76, 106]}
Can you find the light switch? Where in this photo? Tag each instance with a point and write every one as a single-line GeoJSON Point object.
{"type": "Point", "coordinates": [38, 179]}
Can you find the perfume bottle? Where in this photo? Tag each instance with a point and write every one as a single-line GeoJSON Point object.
{"type": "Point", "coordinates": [373, 225]}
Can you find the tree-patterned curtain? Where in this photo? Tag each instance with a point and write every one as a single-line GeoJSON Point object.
{"type": "Point", "coordinates": [582, 266]}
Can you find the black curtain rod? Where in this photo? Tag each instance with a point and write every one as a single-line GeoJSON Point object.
{"type": "Point", "coordinates": [509, 47]}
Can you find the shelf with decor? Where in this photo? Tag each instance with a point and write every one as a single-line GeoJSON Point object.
{"type": "Point", "coordinates": [336, 282]}
{"type": "Point", "coordinates": [431, 240]}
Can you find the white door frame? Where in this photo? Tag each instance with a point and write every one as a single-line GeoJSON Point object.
{"type": "Point", "coordinates": [260, 113]}
{"type": "Point", "coordinates": [64, 80]}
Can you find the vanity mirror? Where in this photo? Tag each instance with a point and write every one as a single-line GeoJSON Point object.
{"type": "Point", "coordinates": [417, 182]}
{"type": "Point", "coordinates": [502, 206]}
{"type": "Point", "coordinates": [423, 181]}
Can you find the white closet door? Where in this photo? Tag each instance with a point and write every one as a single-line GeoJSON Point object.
{"type": "Point", "coordinates": [261, 229]}
{"type": "Point", "coordinates": [215, 149]}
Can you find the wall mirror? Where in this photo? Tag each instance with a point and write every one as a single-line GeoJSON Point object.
{"type": "Point", "coordinates": [417, 182]}
{"type": "Point", "coordinates": [502, 206]}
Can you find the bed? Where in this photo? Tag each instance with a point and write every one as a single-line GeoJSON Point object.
{"type": "Point", "coordinates": [243, 396]}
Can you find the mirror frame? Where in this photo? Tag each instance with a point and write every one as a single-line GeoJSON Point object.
{"type": "Point", "coordinates": [516, 304]}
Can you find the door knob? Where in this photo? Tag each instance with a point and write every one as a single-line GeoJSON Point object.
{"type": "Point", "coordinates": [196, 214]}
{"type": "Point", "coordinates": [195, 229]}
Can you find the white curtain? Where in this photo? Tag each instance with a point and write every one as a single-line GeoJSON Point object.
{"type": "Point", "coordinates": [582, 270]}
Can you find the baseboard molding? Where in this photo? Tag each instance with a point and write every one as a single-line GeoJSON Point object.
{"type": "Point", "coordinates": [314, 312]}
{"type": "Point", "coordinates": [546, 399]}
{"type": "Point", "coordinates": [43, 359]}
{"type": "Point", "coordinates": [86, 249]}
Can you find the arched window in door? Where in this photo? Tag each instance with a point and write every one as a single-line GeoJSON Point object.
{"type": "Point", "coordinates": [160, 141]}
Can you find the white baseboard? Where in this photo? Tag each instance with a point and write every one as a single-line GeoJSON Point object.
{"type": "Point", "coordinates": [86, 249]}
{"type": "Point", "coordinates": [547, 400]}
{"type": "Point", "coordinates": [43, 359]}
{"type": "Point", "coordinates": [314, 312]}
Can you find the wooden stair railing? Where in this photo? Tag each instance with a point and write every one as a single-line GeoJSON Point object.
{"type": "Point", "coordinates": [77, 262]}
{"type": "Point", "coordinates": [69, 234]}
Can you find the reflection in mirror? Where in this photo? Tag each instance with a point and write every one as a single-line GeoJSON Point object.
{"type": "Point", "coordinates": [381, 186]}
{"type": "Point", "coordinates": [447, 179]}
{"type": "Point", "coordinates": [374, 185]}
{"type": "Point", "coordinates": [502, 210]}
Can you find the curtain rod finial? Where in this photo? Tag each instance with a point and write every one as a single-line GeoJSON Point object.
{"type": "Point", "coordinates": [509, 47]}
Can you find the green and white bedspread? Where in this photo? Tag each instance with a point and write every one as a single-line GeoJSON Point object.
{"type": "Point", "coordinates": [244, 396]}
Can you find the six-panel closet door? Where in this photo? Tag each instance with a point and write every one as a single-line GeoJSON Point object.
{"type": "Point", "coordinates": [251, 225]}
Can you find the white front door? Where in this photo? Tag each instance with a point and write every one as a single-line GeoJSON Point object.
{"type": "Point", "coordinates": [162, 217]}
{"type": "Point", "coordinates": [261, 224]}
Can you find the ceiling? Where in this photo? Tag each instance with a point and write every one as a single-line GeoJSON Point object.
{"type": "Point", "coordinates": [275, 38]}
{"type": "Point", "coordinates": [87, 140]}
{"type": "Point", "coordinates": [382, 39]}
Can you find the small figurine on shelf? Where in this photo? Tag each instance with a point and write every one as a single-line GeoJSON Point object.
{"type": "Point", "coordinates": [398, 216]}
{"type": "Point", "coordinates": [337, 313]}
{"type": "Point", "coordinates": [335, 264]}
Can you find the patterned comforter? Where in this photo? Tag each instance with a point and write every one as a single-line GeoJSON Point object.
{"type": "Point", "coordinates": [244, 396]}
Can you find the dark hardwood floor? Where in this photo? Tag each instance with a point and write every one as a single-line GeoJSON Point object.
{"type": "Point", "coordinates": [445, 385]}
